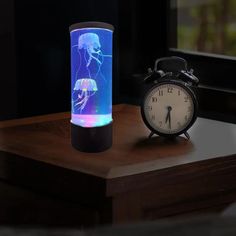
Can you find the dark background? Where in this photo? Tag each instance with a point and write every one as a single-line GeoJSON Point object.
{"type": "Point", "coordinates": [35, 55]}
{"type": "Point", "coordinates": [35, 49]}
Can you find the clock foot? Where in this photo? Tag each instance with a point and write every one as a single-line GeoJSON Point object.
{"type": "Point", "coordinates": [150, 135]}
{"type": "Point", "coordinates": [187, 135]}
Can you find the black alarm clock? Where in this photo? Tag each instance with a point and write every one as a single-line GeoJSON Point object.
{"type": "Point", "coordinates": [169, 107]}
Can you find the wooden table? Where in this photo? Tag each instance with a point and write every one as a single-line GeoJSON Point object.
{"type": "Point", "coordinates": [137, 179]}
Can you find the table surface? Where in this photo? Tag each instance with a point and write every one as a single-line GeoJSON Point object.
{"type": "Point", "coordinates": [47, 139]}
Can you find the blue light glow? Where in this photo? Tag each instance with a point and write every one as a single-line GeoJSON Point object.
{"type": "Point", "coordinates": [91, 77]}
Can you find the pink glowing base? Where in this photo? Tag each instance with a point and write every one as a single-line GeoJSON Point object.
{"type": "Point", "coordinates": [91, 120]}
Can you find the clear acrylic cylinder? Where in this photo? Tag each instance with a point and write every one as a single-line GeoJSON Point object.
{"type": "Point", "coordinates": [91, 86]}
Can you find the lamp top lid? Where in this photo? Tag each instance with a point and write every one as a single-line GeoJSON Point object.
{"type": "Point", "coordinates": [91, 24]}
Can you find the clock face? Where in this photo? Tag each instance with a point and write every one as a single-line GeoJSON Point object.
{"type": "Point", "coordinates": [169, 108]}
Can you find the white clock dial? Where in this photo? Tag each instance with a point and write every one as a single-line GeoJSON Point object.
{"type": "Point", "coordinates": [169, 108]}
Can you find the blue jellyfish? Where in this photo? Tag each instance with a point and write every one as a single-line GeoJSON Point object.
{"type": "Point", "coordinates": [90, 42]}
{"type": "Point", "coordinates": [86, 88]}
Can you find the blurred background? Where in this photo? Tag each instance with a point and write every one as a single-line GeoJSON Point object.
{"type": "Point", "coordinates": [207, 26]}
{"type": "Point", "coordinates": [35, 50]}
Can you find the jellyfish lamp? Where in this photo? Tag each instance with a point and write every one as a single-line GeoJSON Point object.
{"type": "Point", "coordinates": [91, 86]}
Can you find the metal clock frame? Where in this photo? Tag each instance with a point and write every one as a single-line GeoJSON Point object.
{"type": "Point", "coordinates": [189, 90]}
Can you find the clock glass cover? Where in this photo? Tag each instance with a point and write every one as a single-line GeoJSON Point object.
{"type": "Point", "coordinates": [169, 108]}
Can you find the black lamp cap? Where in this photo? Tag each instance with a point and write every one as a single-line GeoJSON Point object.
{"type": "Point", "coordinates": [91, 24]}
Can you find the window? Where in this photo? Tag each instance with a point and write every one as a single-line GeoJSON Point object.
{"type": "Point", "coordinates": [207, 26]}
{"type": "Point", "coordinates": [200, 32]}
{"type": "Point", "coordinates": [204, 33]}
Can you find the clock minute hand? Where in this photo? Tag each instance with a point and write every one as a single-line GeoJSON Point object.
{"type": "Point", "coordinates": [169, 120]}
{"type": "Point", "coordinates": [168, 117]}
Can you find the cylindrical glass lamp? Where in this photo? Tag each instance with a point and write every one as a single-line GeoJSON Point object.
{"type": "Point", "coordinates": [91, 86]}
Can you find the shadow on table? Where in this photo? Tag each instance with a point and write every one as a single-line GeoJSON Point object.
{"type": "Point", "coordinates": [165, 146]}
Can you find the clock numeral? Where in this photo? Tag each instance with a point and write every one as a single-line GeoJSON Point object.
{"type": "Point", "coordinates": [186, 118]}
{"type": "Point", "coordinates": [178, 92]}
{"type": "Point", "coordinates": [185, 99]}
{"type": "Point", "coordinates": [160, 123]}
{"type": "Point", "coordinates": [189, 109]}
{"type": "Point", "coordinates": [169, 90]}
{"type": "Point", "coordinates": [149, 108]}
{"type": "Point", "coordinates": [154, 99]}
{"type": "Point", "coordinates": [160, 93]}
{"type": "Point", "coordinates": [179, 124]}
{"type": "Point", "coordinates": [153, 117]}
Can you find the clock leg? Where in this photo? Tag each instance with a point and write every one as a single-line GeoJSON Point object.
{"type": "Point", "coordinates": [150, 135]}
{"type": "Point", "coordinates": [187, 135]}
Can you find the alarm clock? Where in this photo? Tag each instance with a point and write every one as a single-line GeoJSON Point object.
{"type": "Point", "coordinates": [169, 105]}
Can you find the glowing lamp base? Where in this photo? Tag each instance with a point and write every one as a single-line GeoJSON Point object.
{"type": "Point", "coordinates": [95, 139]}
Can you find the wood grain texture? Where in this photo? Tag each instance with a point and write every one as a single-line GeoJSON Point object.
{"type": "Point", "coordinates": [131, 153]}
{"type": "Point", "coordinates": [137, 179]}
